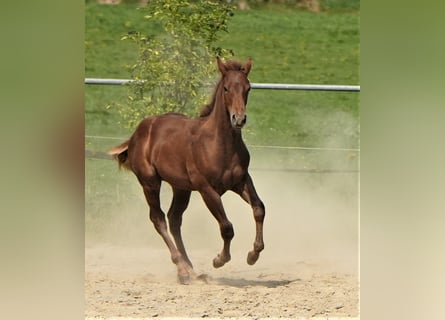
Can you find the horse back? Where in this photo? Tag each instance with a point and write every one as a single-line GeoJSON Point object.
{"type": "Point", "coordinates": [160, 146]}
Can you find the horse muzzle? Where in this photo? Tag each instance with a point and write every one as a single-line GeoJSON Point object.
{"type": "Point", "coordinates": [238, 121]}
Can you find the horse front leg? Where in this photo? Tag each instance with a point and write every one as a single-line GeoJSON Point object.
{"type": "Point", "coordinates": [247, 191]}
{"type": "Point", "coordinates": [213, 202]}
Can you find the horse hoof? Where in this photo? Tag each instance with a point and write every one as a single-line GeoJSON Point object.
{"type": "Point", "coordinates": [184, 279]}
{"type": "Point", "coordinates": [252, 257]}
{"type": "Point", "coordinates": [219, 261]}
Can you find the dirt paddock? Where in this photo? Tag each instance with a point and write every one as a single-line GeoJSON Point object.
{"type": "Point", "coordinates": [308, 269]}
{"type": "Point", "coordinates": [139, 282]}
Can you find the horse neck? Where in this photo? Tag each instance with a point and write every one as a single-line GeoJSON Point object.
{"type": "Point", "coordinates": [219, 121]}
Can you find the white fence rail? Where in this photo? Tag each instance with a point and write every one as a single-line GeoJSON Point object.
{"type": "Point", "coordinates": [272, 86]}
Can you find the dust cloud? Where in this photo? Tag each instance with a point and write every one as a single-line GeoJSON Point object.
{"type": "Point", "coordinates": [311, 216]}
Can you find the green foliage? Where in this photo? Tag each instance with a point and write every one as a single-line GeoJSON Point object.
{"type": "Point", "coordinates": [173, 65]}
{"type": "Point", "coordinates": [286, 46]}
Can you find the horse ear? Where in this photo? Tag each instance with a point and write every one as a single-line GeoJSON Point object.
{"type": "Point", "coordinates": [221, 66]}
{"type": "Point", "coordinates": [247, 66]}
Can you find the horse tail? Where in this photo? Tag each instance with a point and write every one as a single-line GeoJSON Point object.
{"type": "Point", "coordinates": [120, 153]}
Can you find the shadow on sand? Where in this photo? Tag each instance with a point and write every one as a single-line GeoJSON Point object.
{"type": "Point", "coordinates": [241, 283]}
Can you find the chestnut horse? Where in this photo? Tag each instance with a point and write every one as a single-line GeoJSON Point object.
{"type": "Point", "coordinates": [205, 154]}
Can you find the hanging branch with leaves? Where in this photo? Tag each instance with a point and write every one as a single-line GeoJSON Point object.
{"type": "Point", "coordinates": [175, 65]}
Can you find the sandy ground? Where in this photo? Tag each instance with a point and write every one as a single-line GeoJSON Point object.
{"type": "Point", "coordinates": [309, 267]}
{"type": "Point", "coordinates": [140, 282]}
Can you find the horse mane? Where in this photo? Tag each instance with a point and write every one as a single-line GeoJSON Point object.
{"type": "Point", "coordinates": [231, 65]}
{"type": "Point", "coordinates": [206, 110]}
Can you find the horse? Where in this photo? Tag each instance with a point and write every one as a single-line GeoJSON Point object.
{"type": "Point", "coordinates": [205, 154]}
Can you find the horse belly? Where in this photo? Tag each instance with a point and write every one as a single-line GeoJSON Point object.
{"type": "Point", "coordinates": [178, 181]}
{"type": "Point", "coordinates": [172, 168]}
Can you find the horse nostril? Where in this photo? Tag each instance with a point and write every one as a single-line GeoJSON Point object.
{"type": "Point", "coordinates": [238, 120]}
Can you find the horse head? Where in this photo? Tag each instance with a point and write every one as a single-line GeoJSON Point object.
{"type": "Point", "coordinates": [236, 87]}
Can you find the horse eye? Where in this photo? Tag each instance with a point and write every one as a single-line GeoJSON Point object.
{"type": "Point", "coordinates": [226, 89]}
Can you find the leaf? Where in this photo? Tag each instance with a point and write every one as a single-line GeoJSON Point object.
{"type": "Point", "coordinates": [176, 64]}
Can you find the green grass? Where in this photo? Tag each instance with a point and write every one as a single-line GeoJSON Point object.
{"type": "Point", "coordinates": [286, 46]}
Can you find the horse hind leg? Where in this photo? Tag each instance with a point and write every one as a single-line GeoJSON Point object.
{"type": "Point", "coordinates": [151, 189]}
{"type": "Point", "coordinates": [179, 204]}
